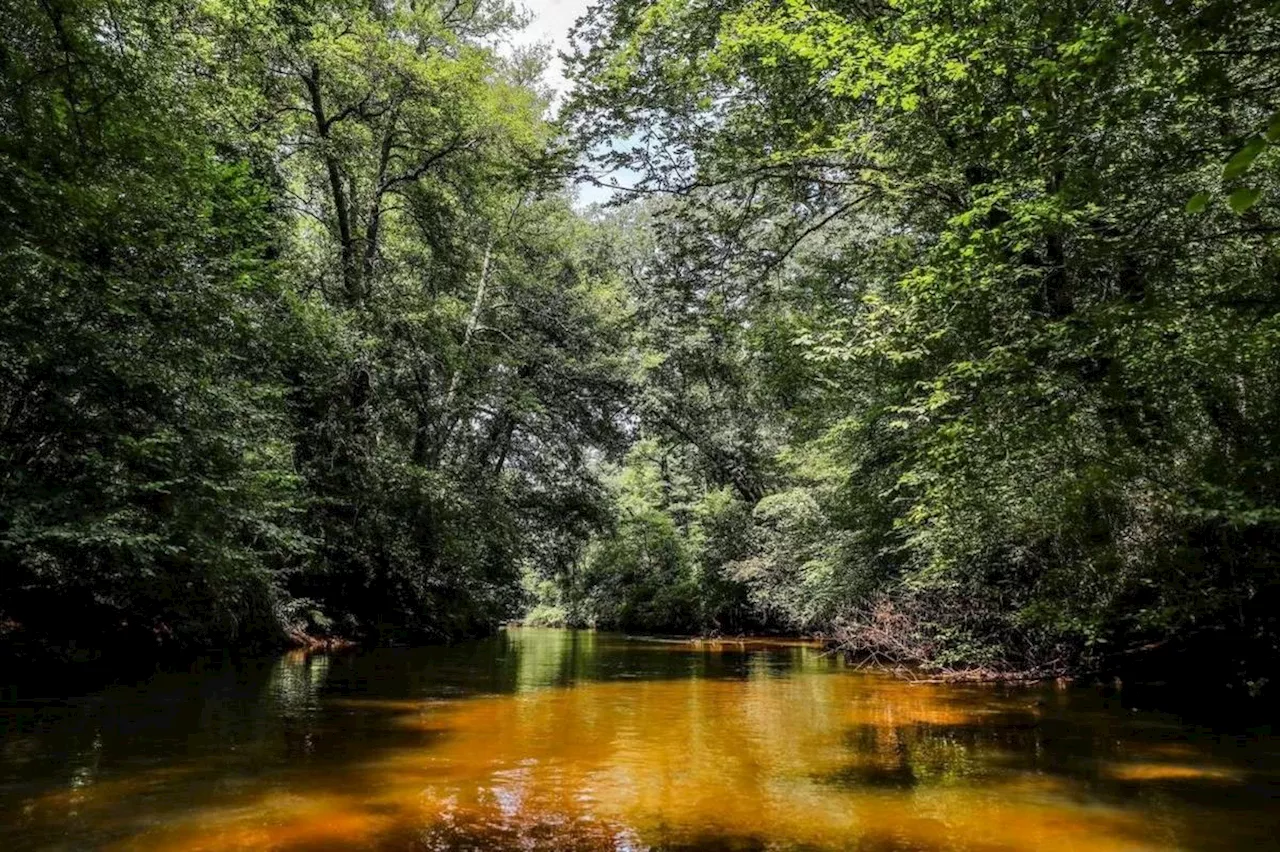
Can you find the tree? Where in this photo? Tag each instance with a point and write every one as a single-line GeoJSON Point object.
{"type": "Point", "coordinates": [301, 334]}
{"type": "Point", "coordinates": [1025, 371]}
{"type": "Point", "coordinates": [146, 491]}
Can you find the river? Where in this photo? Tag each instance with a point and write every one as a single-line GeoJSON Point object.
{"type": "Point", "coordinates": [561, 740]}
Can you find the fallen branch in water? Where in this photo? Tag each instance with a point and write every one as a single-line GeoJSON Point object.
{"type": "Point", "coordinates": [307, 642]}
{"type": "Point", "coordinates": [914, 637]}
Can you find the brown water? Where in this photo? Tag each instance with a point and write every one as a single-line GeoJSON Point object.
{"type": "Point", "coordinates": [556, 740]}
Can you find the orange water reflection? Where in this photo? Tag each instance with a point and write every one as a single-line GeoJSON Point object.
{"type": "Point", "coordinates": [558, 741]}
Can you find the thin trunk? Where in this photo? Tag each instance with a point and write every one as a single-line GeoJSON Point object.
{"type": "Point", "coordinates": [375, 204]}
{"type": "Point", "coordinates": [477, 306]}
{"type": "Point", "coordinates": [341, 206]}
{"type": "Point", "coordinates": [506, 446]}
{"type": "Point", "coordinates": [473, 323]}
{"type": "Point", "coordinates": [420, 432]}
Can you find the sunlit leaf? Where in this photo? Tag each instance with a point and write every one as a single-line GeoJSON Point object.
{"type": "Point", "coordinates": [1242, 199]}
{"type": "Point", "coordinates": [1198, 202]}
{"type": "Point", "coordinates": [1273, 129]}
{"type": "Point", "coordinates": [1243, 159]}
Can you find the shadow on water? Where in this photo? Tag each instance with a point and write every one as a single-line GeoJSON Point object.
{"type": "Point", "coordinates": [1082, 746]}
{"type": "Point", "coordinates": [562, 740]}
{"type": "Point", "coordinates": [84, 771]}
{"type": "Point", "coordinates": [87, 771]}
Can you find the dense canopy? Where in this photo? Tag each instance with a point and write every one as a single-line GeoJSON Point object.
{"type": "Point", "coordinates": [950, 330]}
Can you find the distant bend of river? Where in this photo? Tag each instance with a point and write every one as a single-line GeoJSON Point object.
{"type": "Point", "coordinates": [568, 740]}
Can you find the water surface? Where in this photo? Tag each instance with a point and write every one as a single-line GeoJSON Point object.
{"type": "Point", "coordinates": [561, 740]}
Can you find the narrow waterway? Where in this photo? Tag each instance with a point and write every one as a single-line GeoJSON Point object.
{"type": "Point", "coordinates": [561, 740]}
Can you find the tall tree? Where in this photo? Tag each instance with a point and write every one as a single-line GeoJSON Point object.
{"type": "Point", "coordinates": [301, 332]}
{"type": "Point", "coordinates": [1019, 259]}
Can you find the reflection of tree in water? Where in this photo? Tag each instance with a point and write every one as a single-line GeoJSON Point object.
{"type": "Point", "coordinates": [545, 740]}
{"type": "Point", "coordinates": [296, 681]}
{"type": "Point", "coordinates": [549, 658]}
{"type": "Point", "coordinates": [1080, 753]}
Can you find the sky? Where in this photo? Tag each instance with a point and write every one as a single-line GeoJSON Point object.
{"type": "Point", "coordinates": [550, 23]}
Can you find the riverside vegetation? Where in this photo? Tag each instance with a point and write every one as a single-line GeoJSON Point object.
{"type": "Point", "coordinates": [950, 330]}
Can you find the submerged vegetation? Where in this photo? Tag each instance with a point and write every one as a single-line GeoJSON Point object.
{"type": "Point", "coordinates": [947, 329]}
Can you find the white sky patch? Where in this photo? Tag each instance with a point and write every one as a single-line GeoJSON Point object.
{"type": "Point", "coordinates": [549, 24]}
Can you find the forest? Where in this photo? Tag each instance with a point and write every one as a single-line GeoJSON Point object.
{"type": "Point", "coordinates": [947, 330]}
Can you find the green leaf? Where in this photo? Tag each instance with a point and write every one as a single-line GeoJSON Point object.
{"type": "Point", "coordinates": [1273, 129]}
{"type": "Point", "coordinates": [1198, 202]}
{"type": "Point", "coordinates": [1243, 159]}
{"type": "Point", "coordinates": [1242, 199]}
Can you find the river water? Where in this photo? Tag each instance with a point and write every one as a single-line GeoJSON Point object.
{"type": "Point", "coordinates": [562, 740]}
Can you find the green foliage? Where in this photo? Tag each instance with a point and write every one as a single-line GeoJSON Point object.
{"type": "Point", "coordinates": [663, 567]}
{"type": "Point", "coordinates": [921, 286]}
{"type": "Point", "coordinates": [146, 489]}
{"type": "Point", "coordinates": [955, 318]}
{"type": "Point", "coordinates": [298, 331]}
{"type": "Point", "coordinates": [792, 571]}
